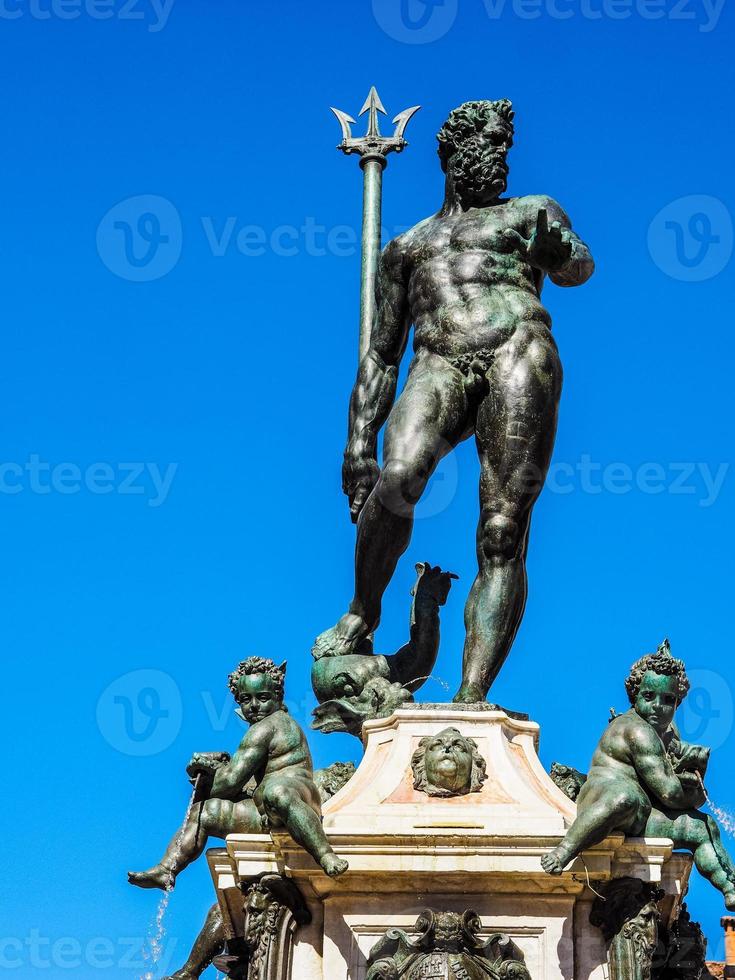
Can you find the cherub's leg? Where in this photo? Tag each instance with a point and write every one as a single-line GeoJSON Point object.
{"type": "Point", "coordinates": [700, 834]}
{"type": "Point", "coordinates": [285, 804]}
{"type": "Point", "coordinates": [601, 812]}
{"type": "Point", "coordinates": [427, 421]}
{"type": "Point", "coordinates": [516, 427]}
{"type": "Point", "coordinates": [209, 943]}
{"type": "Point", "coordinates": [215, 818]}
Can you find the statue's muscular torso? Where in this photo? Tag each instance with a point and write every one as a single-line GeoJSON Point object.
{"type": "Point", "coordinates": [468, 290]}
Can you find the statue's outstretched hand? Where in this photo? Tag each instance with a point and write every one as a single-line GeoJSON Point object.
{"type": "Point", "coordinates": [693, 786]}
{"type": "Point", "coordinates": [359, 476]}
{"type": "Point", "coordinates": [548, 248]}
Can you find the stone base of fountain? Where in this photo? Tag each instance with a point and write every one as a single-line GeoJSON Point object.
{"type": "Point", "coordinates": [410, 850]}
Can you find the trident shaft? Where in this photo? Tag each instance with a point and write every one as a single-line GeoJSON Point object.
{"type": "Point", "coordinates": [373, 148]}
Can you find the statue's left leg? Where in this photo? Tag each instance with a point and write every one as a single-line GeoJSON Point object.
{"type": "Point", "coordinates": [515, 431]}
{"type": "Point", "coordinates": [209, 943]}
{"type": "Point", "coordinates": [294, 803]}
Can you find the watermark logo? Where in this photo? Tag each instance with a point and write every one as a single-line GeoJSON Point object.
{"type": "Point", "coordinates": [415, 21]}
{"type": "Point", "coordinates": [153, 13]}
{"type": "Point", "coordinates": [140, 713]}
{"type": "Point", "coordinates": [691, 239]}
{"type": "Point", "coordinates": [37, 476]}
{"type": "Point", "coordinates": [140, 238]}
{"type": "Point", "coordinates": [706, 714]}
{"type": "Point", "coordinates": [423, 21]}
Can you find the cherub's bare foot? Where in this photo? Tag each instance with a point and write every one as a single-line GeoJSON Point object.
{"type": "Point", "coordinates": [333, 866]}
{"type": "Point", "coordinates": [469, 694]}
{"type": "Point", "coordinates": [730, 900]}
{"type": "Point", "coordinates": [156, 877]}
{"type": "Point", "coordinates": [553, 862]}
{"type": "Point", "coordinates": [342, 639]}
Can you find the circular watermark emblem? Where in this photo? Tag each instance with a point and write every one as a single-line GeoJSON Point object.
{"type": "Point", "coordinates": [691, 239]}
{"type": "Point", "coordinates": [140, 238]}
{"type": "Point", "coordinates": [140, 713]}
{"type": "Point", "coordinates": [706, 714]}
{"type": "Point", "coordinates": [415, 21]}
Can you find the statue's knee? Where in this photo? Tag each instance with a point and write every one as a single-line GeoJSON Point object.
{"type": "Point", "coordinates": [211, 814]}
{"type": "Point", "coordinates": [500, 537]}
{"type": "Point", "coordinates": [277, 798]}
{"type": "Point", "coordinates": [623, 804]}
{"type": "Point", "coordinates": [401, 484]}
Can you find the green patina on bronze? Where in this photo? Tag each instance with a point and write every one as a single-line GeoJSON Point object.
{"type": "Point", "coordinates": [646, 782]}
{"type": "Point", "coordinates": [469, 281]}
{"type": "Point", "coordinates": [447, 945]}
{"type": "Point", "coordinates": [268, 783]}
{"type": "Point", "coordinates": [359, 686]}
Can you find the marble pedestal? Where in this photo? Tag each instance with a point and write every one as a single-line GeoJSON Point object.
{"type": "Point", "coordinates": [409, 851]}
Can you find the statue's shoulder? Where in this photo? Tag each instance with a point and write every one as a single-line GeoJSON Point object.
{"type": "Point", "coordinates": [529, 206]}
{"type": "Point", "coordinates": [636, 732]}
{"type": "Point", "coordinates": [403, 243]}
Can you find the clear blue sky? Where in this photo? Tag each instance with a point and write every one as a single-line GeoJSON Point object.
{"type": "Point", "coordinates": [174, 414]}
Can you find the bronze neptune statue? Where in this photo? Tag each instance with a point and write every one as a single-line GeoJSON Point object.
{"type": "Point", "coordinates": [485, 364]}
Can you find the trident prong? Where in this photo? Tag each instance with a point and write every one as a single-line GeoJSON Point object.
{"type": "Point", "coordinates": [344, 121]}
{"type": "Point", "coordinates": [373, 149]}
{"type": "Point", "coordinates": [373, 142]}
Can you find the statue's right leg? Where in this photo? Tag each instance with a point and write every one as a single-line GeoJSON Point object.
{"type": "Point", "coordinates": [615, 805]}
{"type": "Point", "coordinates": [427, 421]}
{"type": "Point", "coordinates": [215, 818]}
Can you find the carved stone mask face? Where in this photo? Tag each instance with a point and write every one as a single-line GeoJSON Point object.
{"type": "Point", "coordinates": [448, 760]}
{"type": "Point", "coordinates": [448, 764]}
{"type": "Point", "coordinates": [656, 700]}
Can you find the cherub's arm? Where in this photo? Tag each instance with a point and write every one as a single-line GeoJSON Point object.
{"type": "Point", "coordinates": [251, 756]}
{"type": "Point", "coordinates": [656, 773]}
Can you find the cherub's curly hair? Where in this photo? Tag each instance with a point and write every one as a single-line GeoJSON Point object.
{"type": "Point", "coordinates": [258, 665]}
{"type": "Point", "coordinates": [468, 119]}
{"type": "Point", "coordinates": [660, 662]}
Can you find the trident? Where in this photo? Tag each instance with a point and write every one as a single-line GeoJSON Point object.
{"type": "Point", "coordinates": [373, 149]}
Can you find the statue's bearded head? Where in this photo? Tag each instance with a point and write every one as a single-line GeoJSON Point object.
{"type": "Point", "coordinates": [473, 147]}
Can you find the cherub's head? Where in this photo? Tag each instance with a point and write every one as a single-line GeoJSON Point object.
{"type": "Point", "coordinates": [257, 685]}
{"type": "Point", "coordinates": [448, 764]}
{"type": "Point", "coordinates": [656, 687]}
{"type": "Point", "coordinates": [473, 146]}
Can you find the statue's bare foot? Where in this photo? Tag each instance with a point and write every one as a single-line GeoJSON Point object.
{"type": "Point", "coordinates": [156, 877]}
{"type": "Point", "coordinates": [342, 639]}
{"type": "Point", "coordinates": [553, 862]}
{"type": "Point", "coordinates": [730, 900]}
{"type": "Point", "coordinates": [469, 694]}
{"type": "Point", "coordinates": [333, 866]}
